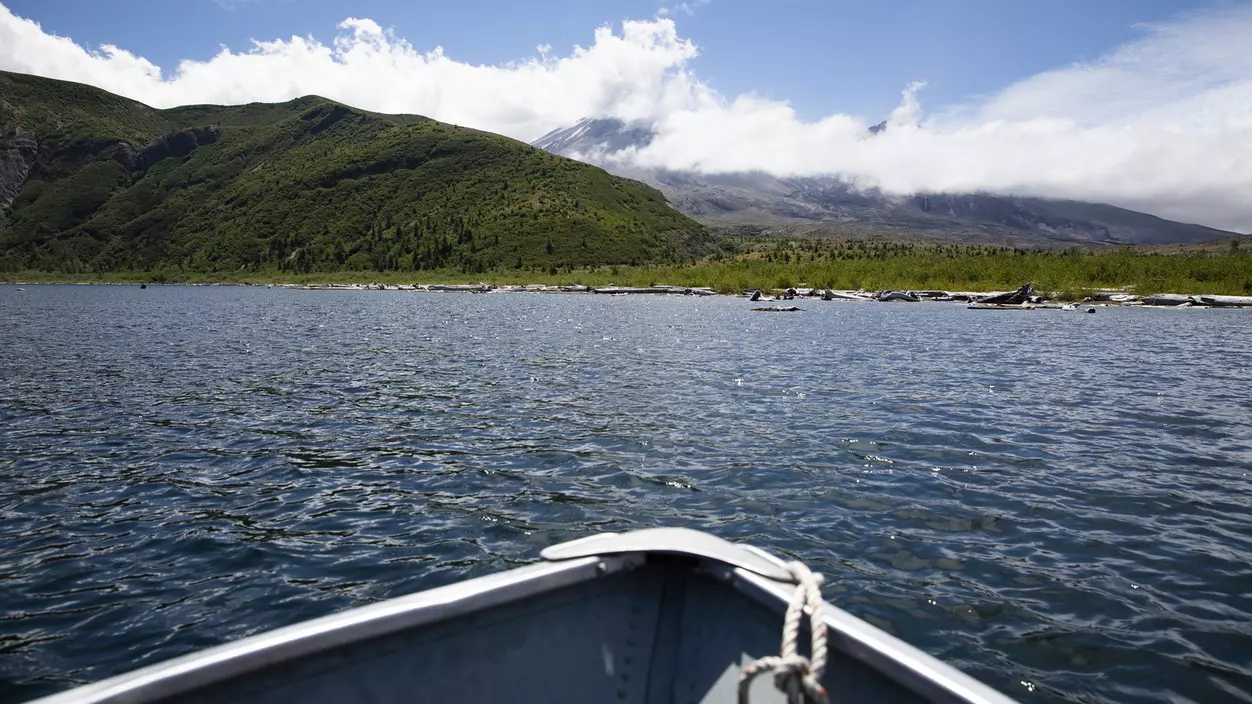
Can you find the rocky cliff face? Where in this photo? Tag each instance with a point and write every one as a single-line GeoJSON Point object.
{"type": "Point", "coordinates": [177, 145]}
{"type": "Point", "coordinates": [24, 160]}
{"type": "Point", "coordinates": [17, 156]}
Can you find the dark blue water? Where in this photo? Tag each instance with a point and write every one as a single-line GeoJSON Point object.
{"type": "Point", "coordinates": [1058, 503]}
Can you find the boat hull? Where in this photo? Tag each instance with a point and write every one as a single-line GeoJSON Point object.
{"type": "Point", "coordinates": [653, 625]}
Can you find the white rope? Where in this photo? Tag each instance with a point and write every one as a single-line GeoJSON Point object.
{"type": "Point", "coordinates": [794, 673]}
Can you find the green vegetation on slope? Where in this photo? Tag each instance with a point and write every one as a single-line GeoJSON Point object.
{"type": "Point", "coordinates": [751, 263]}
{"type": "Point", "coordinates": [302, 187]}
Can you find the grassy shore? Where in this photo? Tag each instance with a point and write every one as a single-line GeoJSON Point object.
{"type": "Point", "coordinates": [817, 264]}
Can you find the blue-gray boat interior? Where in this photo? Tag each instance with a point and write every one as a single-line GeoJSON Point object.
{"type": "Point", "coordinates": [662, 615]}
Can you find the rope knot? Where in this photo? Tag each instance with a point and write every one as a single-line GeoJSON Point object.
{"type": "Point", "coordinates": [794, 673]}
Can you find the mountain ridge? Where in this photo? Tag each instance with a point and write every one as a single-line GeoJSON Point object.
{"type": "Point", "coordinates": [831, 206]}
{"type": "Point", "coordinates": [91, 181]}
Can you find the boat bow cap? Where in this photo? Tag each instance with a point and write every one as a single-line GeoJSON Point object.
{"type": "Point", "coordinates": [672, 541]}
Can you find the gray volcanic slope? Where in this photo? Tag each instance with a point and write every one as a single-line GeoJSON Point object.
{"type": "Point", "coordinates": [827, 205]}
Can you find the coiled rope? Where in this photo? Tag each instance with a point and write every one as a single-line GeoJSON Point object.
{"type": "Point", "coordinates": [794, 673]}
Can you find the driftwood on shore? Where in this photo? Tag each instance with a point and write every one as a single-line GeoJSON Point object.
{"type": "Point", "coordinates": [1002, 306]}
{"type": "Point", "coordinates": [635, 290]}
{"type": "Point", "coordinates": [1190, 301]}
{"type": "Point", "coordinates": [461, 288]}
{"type": "Point", "coordinates": [1023, 298]}
{"type": "Point", "coordinates": [660, 289]}
{"type": "Point", "coordinates": [904, 296]}
{"type": "Point", "coordinates": [1025, 294]}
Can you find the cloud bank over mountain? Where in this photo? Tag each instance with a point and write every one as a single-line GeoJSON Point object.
{"type": "Point", "coordinates": [1162, 124]}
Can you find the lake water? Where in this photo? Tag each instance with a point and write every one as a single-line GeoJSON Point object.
{"type": "Point", "coordinates": [1059, 504]}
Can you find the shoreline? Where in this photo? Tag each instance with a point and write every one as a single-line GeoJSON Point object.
{"type": "Point", "coordinates": [1104, 297]}
{"type": "Point", "coordinates": [1071, 276]}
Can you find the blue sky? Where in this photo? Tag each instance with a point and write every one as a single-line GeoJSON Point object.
{"type": "Point", "coordinates": [1146, 104]}
{"type": "Point", "coordinates": [821, 55]}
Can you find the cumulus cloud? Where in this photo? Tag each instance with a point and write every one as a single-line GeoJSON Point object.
{"type": "Point", "coordinates": [1162, 124]}
{"type": "Point", "coordinates": [636, 71]}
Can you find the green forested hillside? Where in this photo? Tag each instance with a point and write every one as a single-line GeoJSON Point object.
{"type": "Point", "coordinates": [93, 182]}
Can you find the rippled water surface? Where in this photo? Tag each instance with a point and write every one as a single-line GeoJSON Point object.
{"type": "Point", "coordinates": [1059, 504]}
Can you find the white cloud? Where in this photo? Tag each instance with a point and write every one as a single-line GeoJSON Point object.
{"type": "Point", "coordinates": [636, 72]}
{"type": "Point", "coordinates": [1162, 124]}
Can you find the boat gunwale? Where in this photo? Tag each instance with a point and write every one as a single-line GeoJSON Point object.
{"type": "Point", "coordinates": [184, 673]}
{"type": "Point", "coordinates": [849, 635]}
{"type": "Point", "coordinates": [872, 647]}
